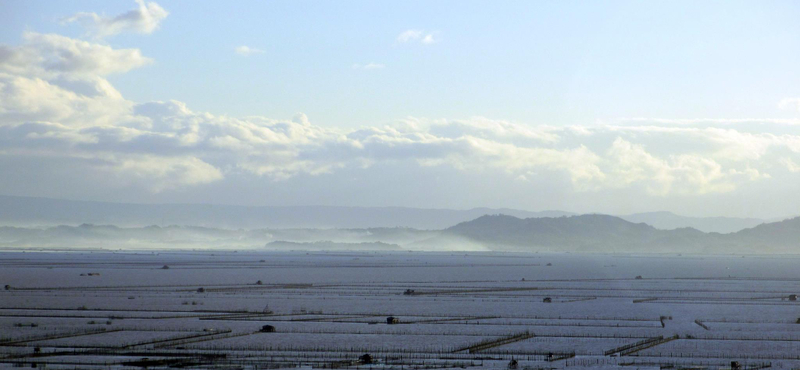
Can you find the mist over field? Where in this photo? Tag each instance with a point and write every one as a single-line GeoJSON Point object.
{"type": "Point", "coordinates": [56, 224]}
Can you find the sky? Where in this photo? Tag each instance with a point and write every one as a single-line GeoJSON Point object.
{"type": "Point", "coordinates": [613, 107]}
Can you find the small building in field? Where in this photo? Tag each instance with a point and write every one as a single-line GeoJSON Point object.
{"type": "Point", "coordinates": [792, 297]}
{"type": "Point", "coordinates": [409, 292]}
{"type": "Point", "coordinates": [201, 290]}
{"type": "Point", "coordinates": [267, 329]}
{"type": "Point", "coordinates": [392, 320]}
{"type": "Point", "coordinates": [547, 300]}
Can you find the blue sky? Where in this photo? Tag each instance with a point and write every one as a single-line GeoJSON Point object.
{"type": "Point", "coordinates": [538, 62]}
{"type": "Point", "coordinates": [536, 105]}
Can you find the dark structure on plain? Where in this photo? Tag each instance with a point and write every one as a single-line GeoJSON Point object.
{"type": "Point", "coordinates": [201, 290]}
{"type": "Point", "coordinates": [409, 292]}
{"type": "Point", "coordinates": [267, 329]}
{"type": "Point", "coordinates": [792, 297]}
{"type": "Point", "coordinates": [547, 300]}
{"type": "Point", "coordinates": [365, 359]}
{"type": "Point", "coordinates": [392, 320]}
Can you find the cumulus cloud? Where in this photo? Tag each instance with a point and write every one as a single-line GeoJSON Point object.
{"type": "Point", "coordinates": [683, 174]}
{"type": "Point", "coordinates": [143, 20]}
{"type": "Point", "coordinates": [705, 121]}
{"type": "Point", "coordinates": [245, 50]}
{"type": "Point", "coordinates": [790, 165]}
{"type": "Point", "coordinates": [49, 55]}
{"type": "Point", "coordinates": [415, 35]}
{"type": "Point", "coordinates": [56, 106]}
{"type": "Point", "coordinates": [158, 173]}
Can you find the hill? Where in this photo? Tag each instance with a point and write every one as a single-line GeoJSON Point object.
{"type": "Point", "coordinates": [605, 234]}
{"type": "Point", "coordinates": [670, 221]}
{"type": "Point", "coordinates": [583, 233]}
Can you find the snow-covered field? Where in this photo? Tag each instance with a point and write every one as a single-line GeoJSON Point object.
{"type": "Point", "coordinates": [206, 309]}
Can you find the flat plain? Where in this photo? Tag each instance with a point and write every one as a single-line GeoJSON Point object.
{"type": "Point", "coordinates": [258, 310]}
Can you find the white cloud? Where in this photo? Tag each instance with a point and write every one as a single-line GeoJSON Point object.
{"type": "Point", "coordinates": [421, 36]}
{"type": "Point", "coordinates": [58, 79]}
{"type": "Point", "coordinates": [143, 20]}
{"type": "Point", "coordinates": [245, 50]}
{"type": "Point", "coordinates": [706, 121]}
{"type": "Point", "coordinates": [721, 143]}
{"type": "Point", "coordinates": [49, 55]}
{"type": "Point", "coordinates": [683, 174]}
{"type": "Point", "coordinates": [409, 35]}
{"type": "Point", "coordinates": [792, 104]}
{"type": "Point", "coordinates": [369, 66]}
{"type": "Point", "coordinates": [488, 128]}
{"type": "Point", "coordinates": [25, 99]}
{"type": "Point", "coordinates": [157, 173]}
{"type": "Point", "coordinates": [57, 106]}
{"type": "Point", "coordinates": [790, 165]}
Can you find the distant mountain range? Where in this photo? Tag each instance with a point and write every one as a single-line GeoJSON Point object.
{"type": "Point", "coordinates": [669, 221]}
{"type": "Point", "coordinates": [580, 233]}
{"type": "Point", "coordinates": [30, 211]}
{"type": "Point", "coordinates": [27, 211]}
{"type": "Point", "coordinates": [608, 234]}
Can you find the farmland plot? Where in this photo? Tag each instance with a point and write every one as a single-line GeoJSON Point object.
{"type": "Point", "coordinates": [255, 310]}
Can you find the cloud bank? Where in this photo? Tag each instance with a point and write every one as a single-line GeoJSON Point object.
{"type": "Point", "coordinates": [57, 110]}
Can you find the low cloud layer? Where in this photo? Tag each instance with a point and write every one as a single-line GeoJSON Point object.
{"type": "Point", "coordinates": [58, 109]}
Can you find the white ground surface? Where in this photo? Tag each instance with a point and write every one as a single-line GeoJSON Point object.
{"type": "Point", "coordinates": [332, 307]}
